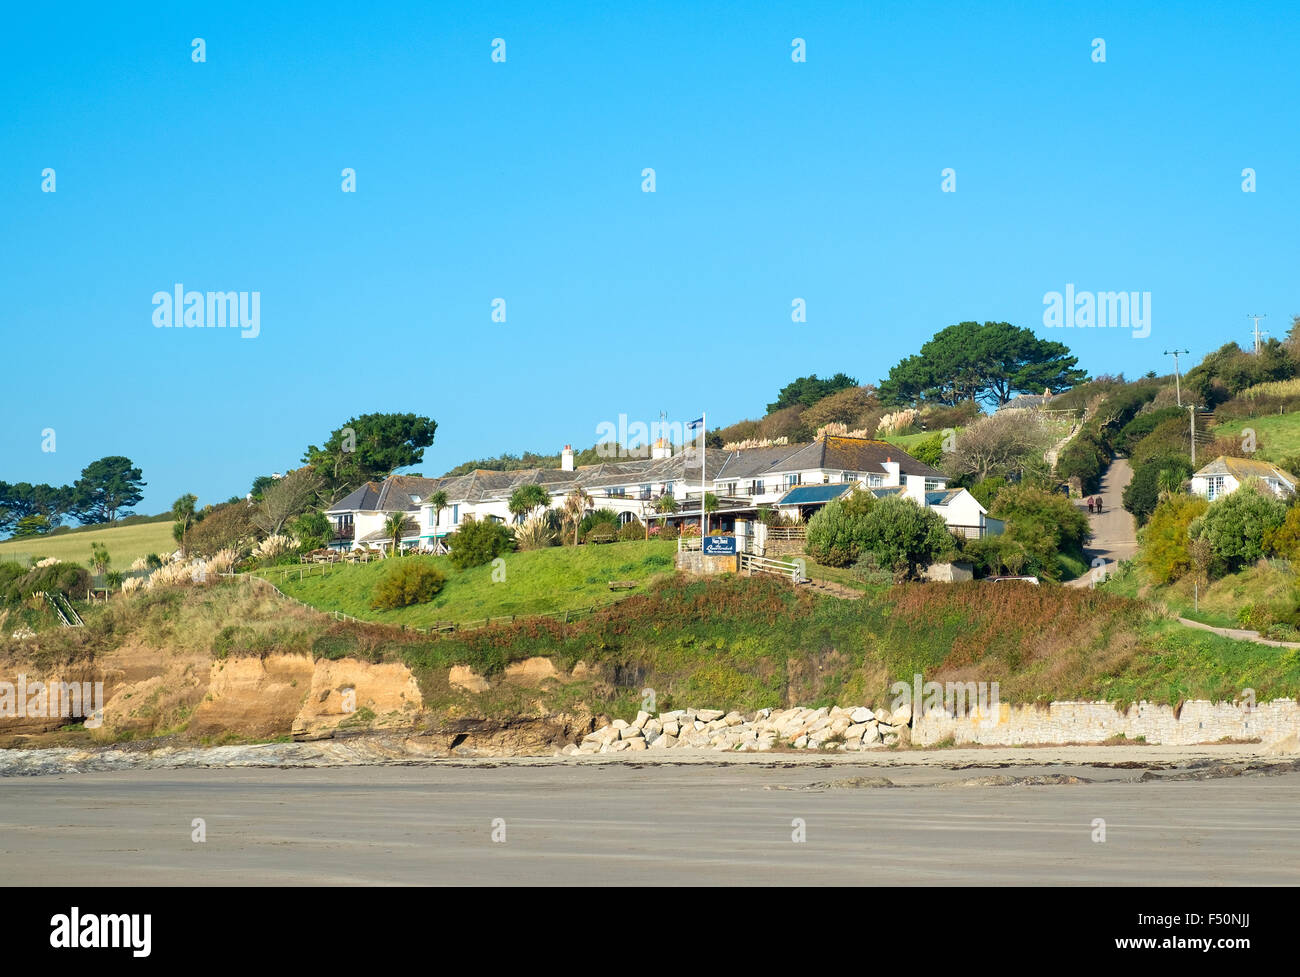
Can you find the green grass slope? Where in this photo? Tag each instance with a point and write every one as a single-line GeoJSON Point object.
{"type": "Point", "coordinates": [1278, 434]}
{"type": "Point", "coordinates": [562, 578]}
{"type": "Point", "coordinates": [125, 544]}
{"type": "Point", "coordinates": [727, 643]}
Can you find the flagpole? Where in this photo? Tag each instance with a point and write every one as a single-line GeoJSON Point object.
{"type": "Point", "coordinates": [704, 428]}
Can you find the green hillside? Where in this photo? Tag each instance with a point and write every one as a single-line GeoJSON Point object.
{"type": "Point", "coordinates": [125, 544]}
{"type": "Point", "coordinates": [1278, 434]}
{"type": "Point", "coordinates": [534, 582]}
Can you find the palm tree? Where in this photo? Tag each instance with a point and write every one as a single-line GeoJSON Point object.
{"type": "Point", "coordinates": [438, 501]}
{"type": "Point", "coordinates": [710, 505]}
{"type": "Point", "coordinates": [394, 526]}
{"type": "Point", "coordinates": [1170, 481]}
{"type": "Point", "coordinates": [183, 513]}
{"type": "Point", "coordinates": [575, 507]}
{"type": "Point", "coordinates": [666, 503]}
{"type": "Point", "coordinates": [526, 498]}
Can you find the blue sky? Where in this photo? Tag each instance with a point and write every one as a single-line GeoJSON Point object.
{"type": "Point", "coordinates": [522, 180]}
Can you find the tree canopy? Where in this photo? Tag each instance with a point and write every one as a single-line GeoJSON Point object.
{"type": "Point", "coordinates": [992, 362]}
{"type": "Point", "coordinates": [106, 488]}
{"type": "Point", "coordinates": [806, 391]}
{"type": "Point", "coordinates": [370, 447]}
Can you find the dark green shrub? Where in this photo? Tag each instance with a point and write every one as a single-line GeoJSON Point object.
{"type": "Point", "coordinates": [410, 580]}
{"type": "Point", "coordinates": [601, 517]}
{"type": "Point", "coordinates": [65, 578]}
{"type": "Point", "coordinates": [1086, 457]}
{"type": "Point", "coordinates": [313, 531]}
{"type": "Point", "coordinates": [478, 542]}
{"type": "Point", "coordinates": [632, 531]}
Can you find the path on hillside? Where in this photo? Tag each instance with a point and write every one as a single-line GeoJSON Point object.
{"type": "Point", "coordinates": [1114, 533]}
{"type": "Point", "coordinates": [1239, 634]}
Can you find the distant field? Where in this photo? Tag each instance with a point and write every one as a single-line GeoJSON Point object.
{"type": "Point", "coordinates": [125, 544]}
{"type": "Point", "coordinates": [1279, 434]}
{"type": "Point", "coordinates": [535, 582]}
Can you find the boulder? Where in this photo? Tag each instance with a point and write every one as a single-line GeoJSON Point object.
{"type": "Point", "coordinates": [862, 715]}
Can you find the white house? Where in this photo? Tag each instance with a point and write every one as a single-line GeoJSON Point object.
{"type": "Point", "coordinates": [1224, 475]}
{"type": "Point", "coordinates": [742, 480]}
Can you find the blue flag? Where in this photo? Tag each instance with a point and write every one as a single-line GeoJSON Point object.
{"type": "Point", "coordinates": [691, 433]}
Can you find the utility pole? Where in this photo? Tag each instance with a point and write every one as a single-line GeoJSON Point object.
{"type": "Point", "coordinates": [1178, 386]}
{"type": "Point", "coordinates": [1257, 332]}
{"type": "Point", "coordinates": [1191, 409]}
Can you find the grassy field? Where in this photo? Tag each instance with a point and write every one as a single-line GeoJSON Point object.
{"type": "Point", "coordinates": [533, 582]}
{"type": "Point", "coordinates": [1260, 597]}
{"type": "Point", "coordinates": [125, 544]}
{"type": "Point", "coordinates": [1278, 434]}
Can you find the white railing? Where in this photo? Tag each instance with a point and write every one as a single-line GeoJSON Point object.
{"type": "Point", "coordinates": [781, 568]}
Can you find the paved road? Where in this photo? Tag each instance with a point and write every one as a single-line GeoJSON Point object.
{"type": "Point", "coordinates": [621, 824]}
{"type": "Point", "coordinates": [1114, 531]}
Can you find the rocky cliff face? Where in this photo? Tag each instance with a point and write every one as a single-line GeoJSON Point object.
{"type": "Point", "coordinates": [147, 693]}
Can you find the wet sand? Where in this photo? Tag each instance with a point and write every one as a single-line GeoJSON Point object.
{"type": "Point", "coordinates": [1197, 816]}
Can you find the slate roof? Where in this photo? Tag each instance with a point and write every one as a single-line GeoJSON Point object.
{"type": "Point", "coordinates": [1243, 468]}
{"type": "Point", "coordinates": [861, 455]}
{"type": "Point", "coordinates": [813, 494]}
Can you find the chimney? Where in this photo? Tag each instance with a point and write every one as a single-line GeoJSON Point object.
{"type": "Point", "coordinates": [566, 458]}
{"type": "Point", "coordinates": [661, 449]}
{"type": "Point", "coordinates": [892, 468]}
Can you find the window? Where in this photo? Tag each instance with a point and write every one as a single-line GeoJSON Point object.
{"type": "Point", "coordinates": [875, 481]}
{"type": "Point", "coordinates": [792, 480]}
{"type": "Point", "coordinates": [934, 484]}
{"type": "Point", "coordinates": [850, 477]}
{"type": "Point", "coordinates": [1213, 487]}
{"type": "Point", "coordinates": [455, 515]}
{"type": "Point", "coordinates": [757, 487]}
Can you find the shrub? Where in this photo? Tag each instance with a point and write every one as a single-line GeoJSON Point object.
{"type": "Point", "coordinates": [1235, 526]}
{"type": "Point", "coordinates": [313, 530]}
{"type": "Point", "coordinates": [994, 556]}
{"type": "Point", "coordinates": [408, 581]}
{"type": "Point", "coordinates": [1043, 524]}
{"type": "Point", "coordinates": [65, 578]}
{"type": "Point", "coordinates": [899, 422]}
{"type": "Point", "coordinates": [836, 536]}
{"type": "Point", "coordinates": [1166, 544]}
{"type": "Point", "coordinates": [1085, 458]}
{"type": "Point", "coordinates": [904, 536]}
{"type": "Point", "coordinates": [1284, 539]}
{"type": "Point", "coordinates": [632, 531]}
{"type": "Point", "coordinates": [1143, 492]}
{"type": "Point", "coordinates": [273, 546]}
{"type": "Point", "coordinates": [986, 491]}
{"type": "Point", "coordinates": [227, 526]}
{"type": "Point", "coordinates": [478, 542]}
{"type": "Point", "coordinates": [537, 532]}
{"type": "Point", "coordinates": [601, 517]}
{"type": "Point", "coordinates": [930, 451]}
{"type": "Point", "coordinates": [1143, 424]}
